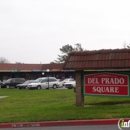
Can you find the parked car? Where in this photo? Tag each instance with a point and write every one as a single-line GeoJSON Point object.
{"type": "Point", "coordinates": [66, 81]}
{"type": "Point", "coordinates": [1, 83]}
{"type": "Point", "coordinates": [44, 83]}
{"type": "Point", "coordinates": [24, 85]}
{"type": "Point", "coordinates": [70, 85]}
{"type": "Point", "coordinates": [12, 82]}
{"type": "Point", "coordinates": [59, 82]}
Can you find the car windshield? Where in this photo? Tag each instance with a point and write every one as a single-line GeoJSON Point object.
{"type": "Point", "coordinates": [37, 80]}
{"type": "Point", "coordinates": [8, 80]}
{"type": "Point", "coordinates": [60, 79]}
{"type": "Point", "coordinates": [28, 81]}
{"type": "Point", "coordinates": [68, 79]}
{"type": "Point", "coordinates": [64, 79]}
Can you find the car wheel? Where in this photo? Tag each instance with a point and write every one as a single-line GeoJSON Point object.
{"type": "Point", "coordinates": [54, 86]}
{"type": "Point", "coordinates": [38, 87]}
{"type": "Point", "coordinates": [26, 87]}
{"type": "Point", "coordinates": [7, 86]}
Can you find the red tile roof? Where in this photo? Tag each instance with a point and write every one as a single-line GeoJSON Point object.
{"type": "Point", "coordinates": [22, 67]}
{"type": "Point", "coordinates": [98, 59]}
{"type": "Point", "coordinates": [52, 67]}
{"type": "Point", "coordinates": [29, 67]}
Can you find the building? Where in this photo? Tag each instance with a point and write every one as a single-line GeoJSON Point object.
{"type": "Point", "coordinates": [33, 71]}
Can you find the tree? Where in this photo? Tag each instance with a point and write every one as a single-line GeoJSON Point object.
{"type": "Point", "coordinates": [18, 63]}
{"type": "Point", "coordinates": [66, 49]}
{"type": "Point", "coordinates": [128, 46]}
{"type": "Point", "coordinates": [78, 47]}
{"type": "Point", "coordinates": [3, 60]}
{"type": "Point", "coordinates": [52, 62]}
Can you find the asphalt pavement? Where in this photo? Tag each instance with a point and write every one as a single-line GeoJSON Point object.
{"type": "Point", "coordinates": [88, 127]}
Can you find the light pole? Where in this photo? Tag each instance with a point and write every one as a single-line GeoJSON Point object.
{"type": "Point", "coordinates": [43, 73]}
{"type": "Point", "coordinates": [48, 77]}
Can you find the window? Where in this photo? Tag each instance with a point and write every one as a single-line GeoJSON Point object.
{"type": "Point", "coordinates": [44, 80]}
{"type": "Point", "coordinates": [13, 80]}
{"type": "Point", "coordinates": [71, 80]}
{"type": "Point", "coordinates": [52, 80]}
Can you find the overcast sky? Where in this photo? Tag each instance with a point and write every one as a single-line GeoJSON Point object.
{"type": "Point", "coordinates": [32, 31]}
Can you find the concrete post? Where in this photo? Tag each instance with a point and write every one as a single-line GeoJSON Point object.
{"type": "Point", "coordinates": [79, 93]}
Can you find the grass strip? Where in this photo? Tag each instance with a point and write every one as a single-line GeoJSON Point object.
{"type": "Point", "coordinates": [58, 104]}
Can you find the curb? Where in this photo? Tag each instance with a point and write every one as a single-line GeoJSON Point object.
{"type": "Point", "coordinates": [61, 123]}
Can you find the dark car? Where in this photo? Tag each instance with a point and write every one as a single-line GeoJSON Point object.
{"type": "Point", "coordinates": [12, 82]}
{"type": "Point", "coordinates": [24, 85]}
{"type": "Point", "coordinates": [1, 83]}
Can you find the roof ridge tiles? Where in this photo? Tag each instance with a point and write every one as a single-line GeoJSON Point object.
{"type": "Point", "coordinates": [109, 58]}
{"type": "Point", "coordinates": [90, 52]}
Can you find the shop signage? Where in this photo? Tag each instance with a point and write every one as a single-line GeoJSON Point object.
{"type": "Point", "coordinates": [55, 70]}
{"type": "Point", "coordinates": [36, 70]}
{"type": "Point", "coordinates": [15, 70]}
{"type": "Point", "coordinates": [112, 84]}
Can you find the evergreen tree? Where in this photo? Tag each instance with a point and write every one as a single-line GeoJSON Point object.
{"type": "Point", "coordinates": [65, 50]}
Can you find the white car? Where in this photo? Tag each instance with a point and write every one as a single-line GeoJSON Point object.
{"type": "Point", "coordinates": [59, 82]}
{"type": "Point", "coordinates": [70, 85]}
{"type": "Point", "coordinates": [44, 83]}
{"type": "Point", "coordinates": [66, 81]}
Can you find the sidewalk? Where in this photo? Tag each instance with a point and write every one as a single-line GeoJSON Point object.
{"type": "Point", "coordinates": [61, 123]}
